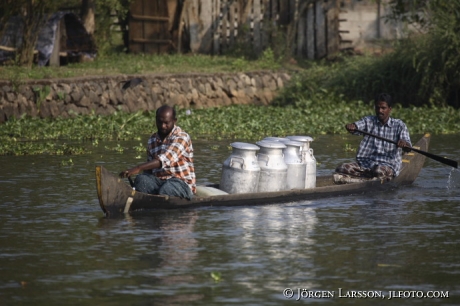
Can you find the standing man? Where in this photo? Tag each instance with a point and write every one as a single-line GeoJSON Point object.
{"type": "Point", "coordinates": [378, 158]}
{"type": "Point", "coordinates": [169, 168]}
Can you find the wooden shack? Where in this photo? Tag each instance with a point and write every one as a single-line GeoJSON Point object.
{"type": "Point", "coordinates": [308, 29]}
{"type": "Point", "coordinates": [152, 26]}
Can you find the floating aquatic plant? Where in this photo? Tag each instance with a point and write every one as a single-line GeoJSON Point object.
{"type": "Point", "coordinates": [327, 115]}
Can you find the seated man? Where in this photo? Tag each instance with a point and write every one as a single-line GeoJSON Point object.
{"type": "Point", "coordinates": [375, 157]}
{"type": "Point", "coordinates": [169, 168]}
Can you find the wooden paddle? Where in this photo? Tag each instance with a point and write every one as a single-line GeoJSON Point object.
{"type": "Point", "coordinates": [131, 181]}
{"type": "Point", "coordinates": [438, 158]}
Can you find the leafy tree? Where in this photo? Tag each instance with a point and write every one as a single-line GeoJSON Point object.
{"type": "Point", "coordinates": [33, 15]}
{"type": "Point", "coordinates": [103, 33]}
{"type": "Point", "coordinates": [408, 11]}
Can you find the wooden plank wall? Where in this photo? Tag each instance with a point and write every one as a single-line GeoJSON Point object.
{"type": "Point", "coordinates": [316, 34]}
{"type": "Point", "coordinates": [214, 26]}
{"type": "Point", "coordinates": [149, 26]}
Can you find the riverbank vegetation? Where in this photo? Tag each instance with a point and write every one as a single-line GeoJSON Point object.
{"type": "Point", "coordinates": [421, 69]}
{"type": "Point", "coordinates": [78, 135]}
{"type": "Point", "coordinates": [422, 73]}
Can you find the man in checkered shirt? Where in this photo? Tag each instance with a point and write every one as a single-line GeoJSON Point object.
{"type": "Point", "coordinates": [375, 157]}
{"type": "Point", "coordinates": [169, 169]}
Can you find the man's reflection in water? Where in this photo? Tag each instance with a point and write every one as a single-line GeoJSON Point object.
{"type": "Point", "coordinates": [170, 249]}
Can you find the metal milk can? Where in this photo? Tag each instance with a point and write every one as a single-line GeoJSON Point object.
{"type": "Point", "coordinates": [308, 159]}
{"type": "Point", "coordinates": [296, 171]}
{"type": "Point", "coordinates": [282, 139]}
{"type": "Point", "coordinates": [273, 169]}
{"type": "Point", "coordinates": [240, 171]}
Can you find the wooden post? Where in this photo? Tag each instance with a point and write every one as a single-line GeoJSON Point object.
{"type": "Point", "coordinates": [301, 34]}
{"type": "Point", "coordinates": [224, 27]}
{"type": "Point", "coordinates": [232, 19]}
{"type": "Point", "coordinates": [194, 25]}
{"type": "Point", "coordinates": [181, 25]}
{"type": "Point", "coordinates": [266, 24]}
{"type": "Point", "coordinates": [244, 25]}
{"type": "Point", "coordinates": [257, 27]}
{"type": "Point", "coordinates": [311, 31]}
{"type": "Point", "coordinates": [136, 29]}
{"type": "Point", "coordinates": [320, 24]}
{"type": "Point", "coordinates": [150, 28]}
{"type": "Point", "coordinates": [206, 19]}
{"type": "Point", "coordinates": [284, 13]}
{"type": "Point", "coordinates": [333, 39]}
{"type": "Point", "coordinates": [55, 59]}
{"type": "Point", "coordinates": [88, 8]}
{"type": "Point", "coordinates": [216, 29]}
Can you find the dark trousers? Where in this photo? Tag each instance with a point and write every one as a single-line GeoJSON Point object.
{"type": "Point", "coordinates": [354, 169]}
{"type": "Point", "coordinates": [149, 183]}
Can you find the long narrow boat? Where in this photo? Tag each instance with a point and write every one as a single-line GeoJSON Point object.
{"type": "Point", "coordinates": [117, 197]}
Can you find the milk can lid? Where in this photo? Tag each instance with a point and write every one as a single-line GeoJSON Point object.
{"type": "Point", "coordinates": [300, 138]}
{"type": "Point", "coordinates": [293, 143]}
{"type": "Point", "coordinates": [282, 139]}
{"type": "Point", "coordinates": [244, 146]}
{"type": "Point", "coordinates": [271, 144]}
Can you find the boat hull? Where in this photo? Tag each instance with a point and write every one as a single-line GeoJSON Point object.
{"type": "Point", "coordinates": [117, 197]}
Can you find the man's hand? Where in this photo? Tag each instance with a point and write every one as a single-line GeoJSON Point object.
{"type": "Point", "coordinates": [129, 172]}
{"type": "Point", "coordinates": [404, 145]}
{"type": "Point", "coordinates": [153, 164]}
{"type": "Point", "coordinates": [351, 127]}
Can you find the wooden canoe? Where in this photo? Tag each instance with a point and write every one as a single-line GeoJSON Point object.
{"type": "Point", "coordinates": [117, 197]}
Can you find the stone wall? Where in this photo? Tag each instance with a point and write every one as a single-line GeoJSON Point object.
{"type": "Point", "coordinates": [104, 95]}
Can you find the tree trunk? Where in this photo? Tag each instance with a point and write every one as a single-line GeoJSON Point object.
{"type": "Point", "coordinates": [33, 19]}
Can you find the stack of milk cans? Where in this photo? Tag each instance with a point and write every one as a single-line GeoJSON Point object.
{"type": "Point", "coordinates": [272, 164]}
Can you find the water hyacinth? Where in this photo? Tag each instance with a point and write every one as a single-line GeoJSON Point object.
{"type": "Point", "coordinates": [325, 114]}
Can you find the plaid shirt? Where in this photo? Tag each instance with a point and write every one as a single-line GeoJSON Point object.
{"type": "Point", "coordinates": [373, 151]}
{"type": "Point", "coordinates": [176, 155]}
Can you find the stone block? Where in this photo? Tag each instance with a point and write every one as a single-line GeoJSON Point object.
{"type": "Point", "coordinates": [185, 85]}
{"type": "Point", "coordinates": [11, 96]}
{"type": "Point", "coordinates": [83, 102]}
{"type": "Point", "coordinates": [226, 100]}
{"type": "Point", "coordinates": [202, 89]}
{"type": "Point", "coordinates": [279, 82]}
{"type": "Point", "coordinates": [246, 80]}
{"type": "Point", "coordinates": [76, 95]}
{"type": "Point", "coordinates": [209, 91]}
{"type": "Point", "coordinates": [93, 98]}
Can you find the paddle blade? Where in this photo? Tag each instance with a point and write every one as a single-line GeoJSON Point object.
{"type": "Point", "coordinates": [438, 158]}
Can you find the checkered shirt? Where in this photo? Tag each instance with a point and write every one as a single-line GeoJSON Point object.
{"type": "Point", "coordinates": [373, 151]}
{"type": "Point", "coordinates": [176, 155]}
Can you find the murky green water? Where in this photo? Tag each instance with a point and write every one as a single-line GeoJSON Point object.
{"type": "Point", "coordinates": [56, 248]}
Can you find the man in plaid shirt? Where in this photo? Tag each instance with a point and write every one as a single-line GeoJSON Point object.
{"type": "Point", "coordinates": [169, 168]}
{"type": "Point", "coordinates": [375, 157]}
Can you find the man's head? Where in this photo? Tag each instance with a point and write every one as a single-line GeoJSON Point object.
{"type": "Point", "coordinates": [165, 120]}
{"type": "Point", "coordinates": [383, 105]}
